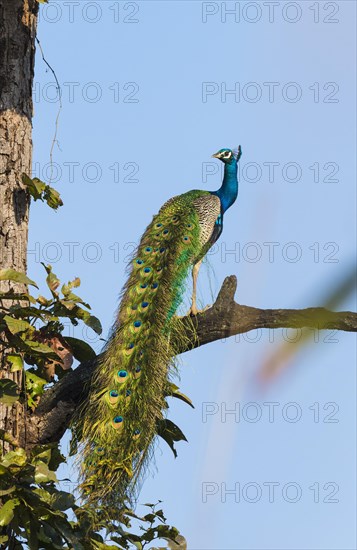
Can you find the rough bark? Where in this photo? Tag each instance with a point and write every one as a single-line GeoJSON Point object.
{"type": "Point", "coordinates": [225, 318]}
{"type": "Point", "coordinates": [18, 20]}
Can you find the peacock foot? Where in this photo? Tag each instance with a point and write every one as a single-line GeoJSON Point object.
{"type": "Point", "coordinates": [193, 311]}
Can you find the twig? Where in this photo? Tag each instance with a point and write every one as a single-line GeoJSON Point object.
{"type": "Point", "coordinates": [58, 112]}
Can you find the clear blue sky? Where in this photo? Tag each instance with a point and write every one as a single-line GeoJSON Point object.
{"type": "Point", "coordinates": [145, 104]}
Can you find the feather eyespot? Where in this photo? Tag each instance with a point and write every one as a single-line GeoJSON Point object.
{"type": "Point", "coordinates": [100, 451]}
{"type": "Point", "coordinates": [136, 434]}
{"type": "Point", "coordinates": [154, 286]}
{"type": "Point", "coordinates": [139, 261]}
{"type": "Point", "coordinates": [137, 325]}
{"type": "Point", "coordinates": [165, 232]}
{"type": "Point", "coordinates": [141, 288]}
{"type": "Point", "coordinates": [159, 269]}
{"type": "Point", "coordinates": [137, 372]}
{"type": "Point", "coordinates": [162, 250]}
{"type": "Point", "coordinates": [148, 250]}
{"type": "Point", "coordinates": [129, 350]}
{"type": "Point", "coordinates": [113, 397]}
{"type": "Point", "coordinates": [186, 239]}
{"type": "Point", "coordinates": [146, 271]}
{"type": "Point", "coordinates": [175, 220]}
{"type": "Point", "coordinates": [122, 376]}
{"type": "Point", "coordinates": [128, 394]}
{"type": "Point", "coordinates": [158, 225]}
{"type": "Point", "coordinates": [190, 226]}
{"type": "Point", "coordinates": [118, 422]}
{"type": "Point", "coordinates": [144, 305]}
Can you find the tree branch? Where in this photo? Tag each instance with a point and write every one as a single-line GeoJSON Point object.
{"type": "Point", "coordinates": [225, 318]}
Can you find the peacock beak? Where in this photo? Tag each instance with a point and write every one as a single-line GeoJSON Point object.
{"type": "Point", "coordinates": [216, 156]}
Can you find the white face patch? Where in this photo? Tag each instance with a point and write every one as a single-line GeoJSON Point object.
{"type": "Point", "coordinates": [227, 155]}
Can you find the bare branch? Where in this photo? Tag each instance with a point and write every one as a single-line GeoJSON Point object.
{"type": "Point", "coordinates": [225, 318]}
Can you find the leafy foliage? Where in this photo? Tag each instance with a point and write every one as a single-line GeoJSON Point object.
{"type": "Point", "coordinates": [35, 513]}
{"type": "Point", "coordinates": [32, 326]}
{"type": "Point", "coordinates": [40, 190]}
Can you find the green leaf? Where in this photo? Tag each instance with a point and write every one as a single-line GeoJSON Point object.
{"type": "Point", "coordinates": [57, 457]}
{"type": "Point", "coordinates": [34, 388]}
{"type": "Point", "coordinates": [3, 470]}
{"type": "Point", "coordinates": [41, 348]}
{"type": "Point", "coordinates": [16, 276]}
{"type": "Point", "coordinates": [52, 280]}
{"type": "Point", "coordinates": [170, 433]}
{"type": "Point", "coordinates": [160, 514]}
{"type": "Point", "coordinates": [15, 361]}
{"type": "Point", "coordinates": [28, 311]}
{"type": "Point", "coordinates": [40, 191]}
{"type": "Point", "coordinates": [75, 283]}
{"type": "Point", "coordinates": [34, 186]}
{"type": "Point", "coordinates": [43, 474]}
{"type": "Point", "coordinates": [34, 383]}
{"type": "Point", "coordinates": [50, 454]}
{"type": "Point", "coordinates": [80, 349]}
{"type": "Point", "coordinates": [8, 491]}
{"type": "Point", "coordinates": [90, 320]}
{"type": "Point", "coordinates": [8, 391]}
{"type": "Point", "coordinates": [71, 297]}
{"type": "Point", "coordinates": [62, 501]}
{"type": "Point", "coordinates": [7, 511]}
{"type": "Point", "coordinates": [52, 197]}
{"type": "Point", "coordinates": [150, 518]}
{"type": "Point", "coordinates": [43, 301]}
{"type": "Point", "coordinates": [17, 458]}
{"type": "Point", "coordinates": [173, 391]}
{"type": "Point", "coordinates": [16, 325]}
{"type": "Point", "coordinates": [41, 454]}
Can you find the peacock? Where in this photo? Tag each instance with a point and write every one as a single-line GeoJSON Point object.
{"type": "Point", "coordinates": [127, 394]}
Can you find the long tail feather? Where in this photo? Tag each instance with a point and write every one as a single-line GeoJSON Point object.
{"type": "Point", "coordinates": [126, 399]}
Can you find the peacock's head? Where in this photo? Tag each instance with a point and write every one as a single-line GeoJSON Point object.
{"type": "Point", "coordinates": [228, 155]}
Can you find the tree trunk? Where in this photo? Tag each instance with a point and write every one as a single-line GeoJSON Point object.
{"type": "Point", "coordinates": [18, 21]}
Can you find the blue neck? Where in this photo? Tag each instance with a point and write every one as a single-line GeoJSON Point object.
{"type": "Point", "coordinates": [228, 191]}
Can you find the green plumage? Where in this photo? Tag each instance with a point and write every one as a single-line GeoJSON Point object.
{"type": "Point", "coordinates": [126, 399]}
